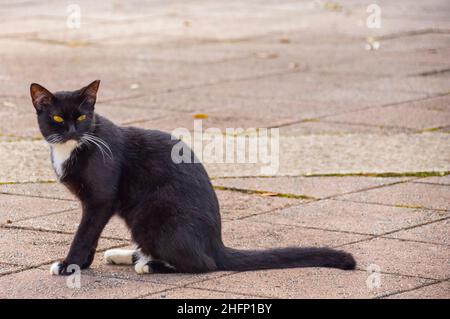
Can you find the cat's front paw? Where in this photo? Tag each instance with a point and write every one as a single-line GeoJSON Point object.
{"type": "Point", "coordinates": [58, 268]}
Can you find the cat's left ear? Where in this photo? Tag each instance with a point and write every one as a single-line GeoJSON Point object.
{"type": "Point", "coordinates": [89, 92]}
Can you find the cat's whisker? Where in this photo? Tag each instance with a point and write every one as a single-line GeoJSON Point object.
{"type": "Point", "coordinates": [88, 141]}
{"type": "Point", "coordinates": [101, 141]}
{"type": "Point", "coordinates": [102, 146]}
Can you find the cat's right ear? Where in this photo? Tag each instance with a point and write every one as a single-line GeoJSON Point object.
{"type": "Point", "coordinates": [40, 96]}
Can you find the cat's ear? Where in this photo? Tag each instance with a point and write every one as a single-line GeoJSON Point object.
{"type": "Point", "coordinates": [90, 92]}
{"type": "Point", "coordinates": [40, 96]}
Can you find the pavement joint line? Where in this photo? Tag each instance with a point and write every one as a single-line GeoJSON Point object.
{"type": "Point", "coordinates": [62, 232]}
{"type": "Point", "coordinates": [38, 266]}
{"type": "Point", "coordinates": [432, 72]}
{"type": "Point", "coordinates": [332, 197]}
{"type": "Point", "coordinates": [264, 193]}
{"type": "Point", "coordinates": [38, 196]}
{"type": "Point", "coordinates": [404, 34]}
{"type": "Point", "coordinates": [268, 211]}
{"type": "Point", "coordinates": [430, 183]}
{"type": "Point", "coordinates": [383, 236]}
{"type": "Point", "coordinates": [28, 182]}
{"type": "Point", "coordinates": [396, 205]}
{"type": "Point", "coordinates": [397, 274]}
{"type": "Point", "coordinates": [194, 282]}
{"type": "Point", "coordinates": [407, 129]}
{"type": "Point", "coordinates": [40, 216]}
{"type": "Point", "coordinates": [431, 129]}
{"type": "Point", "coordinates": [421, 174]}
{"type": "Point", "coordinates": [216, 290]}
{"type": "Point", "coordinates": [412, 227]}
{"type": "Point", "coordinates": [428, 97]}
{"type": "Point", "coordinates": [417, 241]}
{"type": "Point", "coordinates": [435, 282]}
{"type": "Point", "coordinates": [312, 227]}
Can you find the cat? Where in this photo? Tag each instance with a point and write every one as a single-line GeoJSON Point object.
{"type": "Point", "coordinates": [170, 208]}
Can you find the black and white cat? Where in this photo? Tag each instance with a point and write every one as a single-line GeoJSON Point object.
{"type": "Point", "coordinates": [171, 209]}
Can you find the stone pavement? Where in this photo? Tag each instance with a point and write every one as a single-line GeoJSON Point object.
{"type": "Point", "coordinates": [364, 119]}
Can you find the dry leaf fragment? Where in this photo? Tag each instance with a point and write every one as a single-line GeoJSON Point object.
{"type": "Point", "coordinates": [200, 116]}
{"type": "Point", "coordinates": [269, 194]}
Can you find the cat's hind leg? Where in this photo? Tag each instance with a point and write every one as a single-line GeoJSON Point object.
{"type": "Point", "coordinates": [121, 256]}
{"type": "Point", "coordinates": [145, 264]}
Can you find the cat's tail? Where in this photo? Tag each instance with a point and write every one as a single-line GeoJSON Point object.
{"type": "Point", "coordinates": [291, 257]}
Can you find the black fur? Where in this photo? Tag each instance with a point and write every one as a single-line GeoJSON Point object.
{"type": "Point", "coordinates": [171, 209]}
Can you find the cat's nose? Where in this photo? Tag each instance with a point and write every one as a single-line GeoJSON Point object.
{"type": "Point", "coordinates": [71, 132]}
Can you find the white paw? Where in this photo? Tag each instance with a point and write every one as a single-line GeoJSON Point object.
{"type": "Point", "coordinates": [119, 256]}
{"type": "Point", "coordinates": [142, 268]}
{"type": "Point", "coordinates": [55, 268]}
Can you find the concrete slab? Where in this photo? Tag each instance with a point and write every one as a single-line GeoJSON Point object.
{"type": "Point", "coordinates": [402, 257]}
{"type": "Point", "coordinates": [69, 221]}
{"type": "Point", "coordinates": [250, 234]}
{"type": "Point", "coordinates": [435, 291]}
{"type": "Point", "coordinates": [195, 293]}
{"type": "Point", "coordinates": [40, 190]}
{"type": "Point", "coordinates": [37, 283]}
{"type": "Point", "coordinates": [14, 208]}
{"type": "Point", "coordinates": [435, 233]}
{"type": "Point", "coordinates": [236, 205]}
{"type": "Point", "coordinates": [309, 283]}
{"type": "Point", "coordinates": [36, 247]}
{"type": "Point", "coordinates": [317, 187]}
{"type": "Point", "coordinates": [412, 195]}
{"type": "Point", "coordinates": [351, 217]}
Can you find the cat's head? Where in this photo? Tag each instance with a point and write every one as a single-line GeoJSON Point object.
{"type": "Point", "coordinates": [64, 116]}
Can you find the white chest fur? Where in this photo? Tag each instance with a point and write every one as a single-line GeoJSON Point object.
{"type": "Point", "coordinates": [60, 154]}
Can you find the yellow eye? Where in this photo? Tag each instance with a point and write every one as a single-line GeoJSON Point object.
{"type": "Point", "coordinates": [81, 118]}
{"type": "Point", "coordinates": [58, 119]}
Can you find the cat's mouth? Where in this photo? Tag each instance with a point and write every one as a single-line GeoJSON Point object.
{"type": "Point", "coordinates": [60, 139]}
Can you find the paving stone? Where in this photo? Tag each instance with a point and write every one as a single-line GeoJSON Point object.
{"type": "Point", "coordinates": [31, 248]}
{"type": "Point", "coordinates": [333, 128]}
{"type": "Point", "coordinates": [444, 180]}
{"type": "Point", "coordinates": [38, 283]}
{"type": "Point", "coordinates": [435, 291]}
{"type": "Point", "coordinates": [191, 293]}
{"type": "Point", "coordinates": [300, 155]}
{"type": "Point", "coordinates": [417, 116]}
{"type": "Point", "coordinates": [13, 208]}
{"type": "Point", "coordinates": [100, 269]}
{"type": "Point", "coordinates": [235, 205]}
{"type": "Point", "coordinates": [402, 257]}
{"type": "Point", "coordinates": [339, 91]}
{"type": "Point", "coordinates": [406, 195]}
{"type": "Point", "coordinates": [25, 161]}
{"type": "Point", "coordinates": [43, 190]}
{"type": "Point", "coordinates": [69, 221]}
{"type": "Point", "coordinates": [395, 63]}
{"type": "Point", "coordinates": [350, 217]}
{"type": "Point", "coordinates": [7, 268]}
{"type": "Point", "coordinates": [436, 233]}
{"type": "Point", "coordinates": [418, 42]}
{"type": "Point", "coordinates": [125, 114]}
{"type": "Point", "coordinates": [309, 283]}
{"type": "Point", "coordinates": [317, 187]}
{"type": "Point", "coordinates": [250, 234]}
